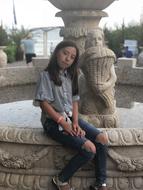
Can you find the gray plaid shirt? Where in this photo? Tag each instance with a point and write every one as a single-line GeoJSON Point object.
{"type": "Point", "coordinates": [59, 97]}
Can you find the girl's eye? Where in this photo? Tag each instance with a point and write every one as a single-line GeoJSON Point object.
{"type": "Point", "coordinates": [65, 53]}
{"type": "Point", "coordinates": [72, 57]}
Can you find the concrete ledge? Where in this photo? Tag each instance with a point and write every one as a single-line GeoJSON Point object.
{"type": "Point", "coordinates": [20, 75]}
{"type": "Point", "coordinates": [28, 160]}
{"type": "Point", "coordinates": [10, 76]}
{"type": "Point", "coordinates": [128, 73]}
{"type": "Point", "coordinates": [126, 70]}
{"type": "Point", "coordinates": [40, 61]}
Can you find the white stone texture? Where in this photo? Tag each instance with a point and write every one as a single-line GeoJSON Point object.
{"type": "Point", "coordinates": [128, 73]}
{"type": "Point", "coordinates": [3, 57]}
{"type": "Point", "coordinates": [28, 160]}
{"type": "Point", "coordinates": [140, 60]}
{"type": "Point", "coordinates": [80, 4]}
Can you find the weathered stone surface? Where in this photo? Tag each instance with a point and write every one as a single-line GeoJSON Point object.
{"type": "Point", "coordinates": [79, 23]}
{"type": "Point", "coordinates": [3, 57]}
{"type": "Point", "coordinates": [140, 60]}
{"type": "Point", "coordinates": [40, 62]}
{"type": "Point", "coordinates": [10, 76]}
{"type": "Point", "coordinates": [126, 70]}
{"type": "Point", "coordinates": [128, 73]}
{"type": "Point", "coordinates": [28, 160]}
{"type": "Point", "coordinates": [80, 4]}
{"type": "Point", "coordinates": [97, 81]}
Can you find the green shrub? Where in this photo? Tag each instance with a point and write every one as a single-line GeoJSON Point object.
{"type": "Point", "coordinates": [11, 53]}
{"type": "Point", "coordinates": [16, 36]}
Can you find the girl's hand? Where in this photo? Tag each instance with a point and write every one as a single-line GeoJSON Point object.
{"type": "Point", "coordinates": [78, 130]}
{"type": "Point", "coordinates": [68, 128]}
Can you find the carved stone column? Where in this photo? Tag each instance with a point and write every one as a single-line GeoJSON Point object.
{"type": "Point", "coordinates": [80, 17]}
{"type": "Point", "coordinates": [79, 23]}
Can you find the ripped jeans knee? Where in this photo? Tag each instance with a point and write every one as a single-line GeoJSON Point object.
{"type": "Point", "coordinates": [102, 138]}
{"type": "Point", "coordinates": [89, 147]}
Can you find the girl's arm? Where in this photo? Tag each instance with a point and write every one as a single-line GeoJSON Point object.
{"type": "Point", "coordinates": [47, 108]}
{"type": "Point", "coordinates": [76, 127]}
{"type": "Point", "coordinates": [75, 112]}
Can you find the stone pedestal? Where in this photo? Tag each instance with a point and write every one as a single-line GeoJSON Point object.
{"type": "Point", "coordinates": [29, 160]}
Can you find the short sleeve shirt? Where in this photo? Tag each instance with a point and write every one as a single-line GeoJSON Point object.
{"type": "Point", "coordinates": [28, 46]}
{"type": "Point", "coordinates": [59, 97]}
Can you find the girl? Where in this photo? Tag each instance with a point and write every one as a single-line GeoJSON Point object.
{"type": "Point", "coordinates": [57, 94]}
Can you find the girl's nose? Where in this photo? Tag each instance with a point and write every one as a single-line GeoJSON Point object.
{"type": "Point", "coordinates": [68, 58]}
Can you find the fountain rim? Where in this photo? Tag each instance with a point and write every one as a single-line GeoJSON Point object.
{"type": "Point", "coordinates": [79, 5]}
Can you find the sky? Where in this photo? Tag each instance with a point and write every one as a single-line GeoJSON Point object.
{"type": "Point", "coordinates": [41, 13]}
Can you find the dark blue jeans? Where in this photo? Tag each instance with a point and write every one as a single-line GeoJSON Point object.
{"type": "Point", "coordinates": [83, 156]}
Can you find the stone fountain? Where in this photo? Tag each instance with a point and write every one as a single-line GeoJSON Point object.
{"type": "Point", "coordinates": [28, 159]}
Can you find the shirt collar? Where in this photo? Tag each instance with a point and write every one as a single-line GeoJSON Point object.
{"type": "Point", "coordinates": [64, 73]}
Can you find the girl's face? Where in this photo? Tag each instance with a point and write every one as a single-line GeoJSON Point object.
{"type": "Point", "coordinates": [66, 57]}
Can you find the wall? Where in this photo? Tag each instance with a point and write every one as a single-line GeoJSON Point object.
{"type": "Point", "coordinates": [128, 73]}
{"type": "Point", "coordinates": [126, 70]}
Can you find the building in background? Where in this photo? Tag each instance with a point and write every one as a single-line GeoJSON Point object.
{"type": "Point", "coordinates": [46, 38]}
{"type": "Point", "coordinates": [132, 46]}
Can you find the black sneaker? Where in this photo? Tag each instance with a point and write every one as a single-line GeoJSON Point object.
{"type": "Point", "coordinates": [99, 187]}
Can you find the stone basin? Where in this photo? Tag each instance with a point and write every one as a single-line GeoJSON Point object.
{"type": "Point", "coordinates": [81, 4]}
{"type": "Point", "coordinates": [28, 159]}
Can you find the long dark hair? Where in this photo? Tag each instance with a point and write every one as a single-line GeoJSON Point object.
{"type": "Point", "coordinates": [54, 69]}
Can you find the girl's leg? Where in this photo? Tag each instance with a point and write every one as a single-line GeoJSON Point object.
{"type": "Point", "coordinates": [92, 133]}
{"type": "Point", "coordinates": [77, 143]}
{"type": "Point", "coordinates": [81, 158]}
{"type": "Point", "coordinates": [101, 164]}
{"type": "Point", "coordinates": [96, 136]}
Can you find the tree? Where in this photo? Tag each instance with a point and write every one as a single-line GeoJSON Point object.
{"type": "Point", "coordinates": [3, 36]}
{"type": "Point", "coordinates": [116, 37]}
{"type": "Point", "coordinates": [16, 35]}
{"type": "Point", "coordinates": [114, 40]}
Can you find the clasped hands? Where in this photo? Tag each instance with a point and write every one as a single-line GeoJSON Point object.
{"type": "Point", "coordinates": [73, 129]}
